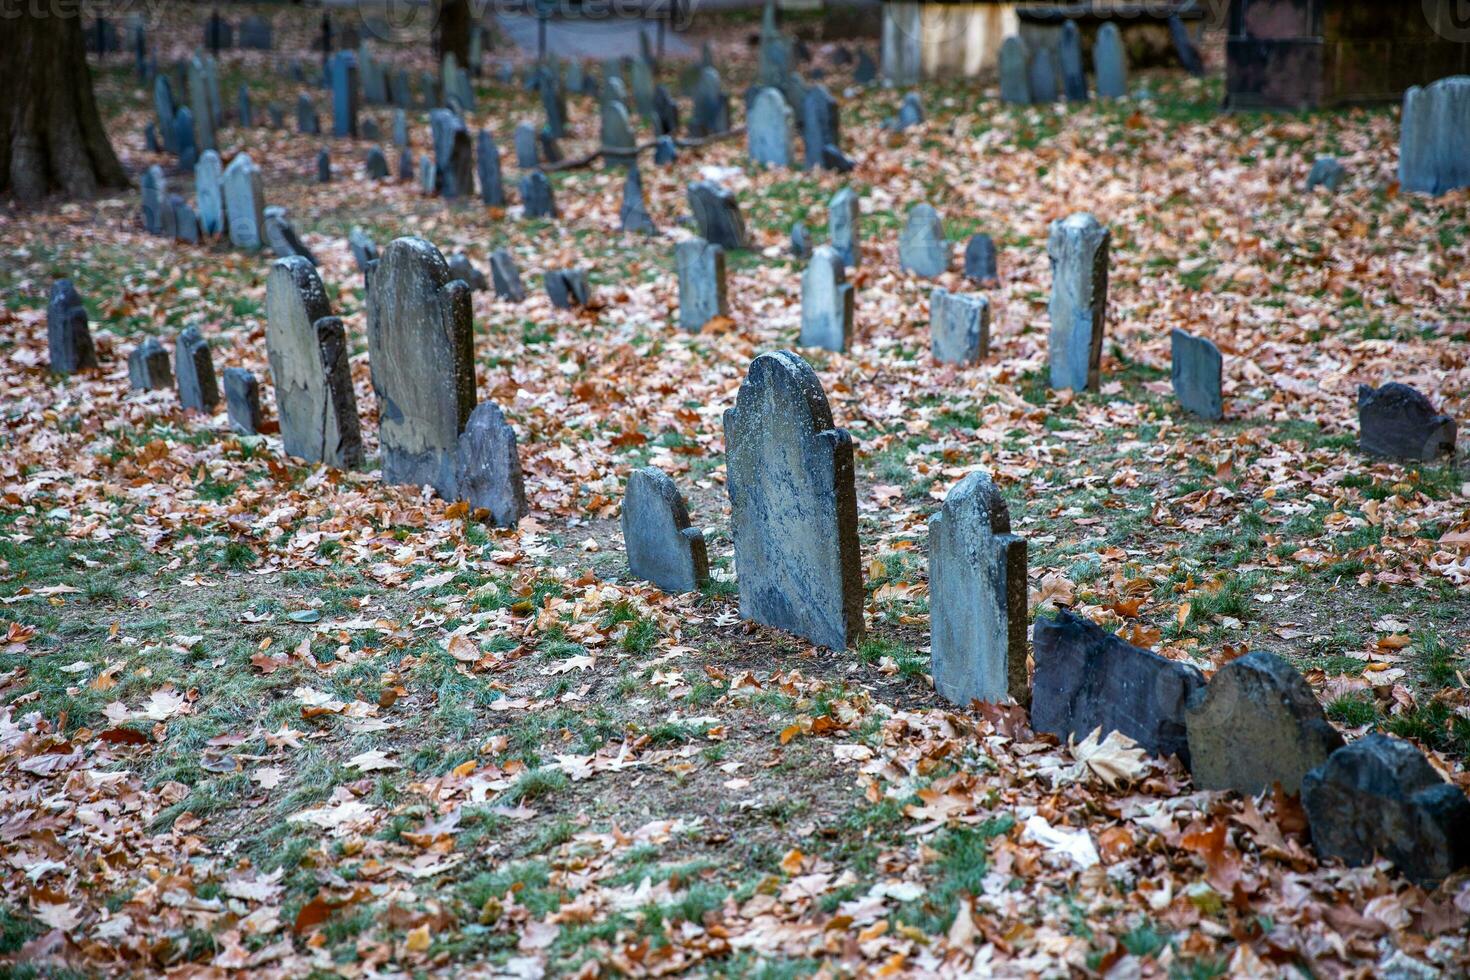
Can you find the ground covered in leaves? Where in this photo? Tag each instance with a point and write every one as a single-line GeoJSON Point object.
{"type": "Point", "coordinates": [256, 715]}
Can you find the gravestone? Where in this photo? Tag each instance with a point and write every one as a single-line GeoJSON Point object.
{"type": "Point", "coordinates": [793, 505]}
{"type": "Point", "coordinates": [1380, 796]}
{"type": "Point", "coordinates": [428, 175]}
{"type": "Point", "coordinates": [701, 270]}
{"type": "Point", "coordinates": [342, 70]}
{"type": "Point", "coordinates": [364, 251]}
{"type": "Point", "coordinates": [1087, 678]}
{"type": "Point", "coordinates": [711, 105]}
{"type": "Point", "coordinates": [461, 268]}
{"type": "Point", "coordinates": [218, 34]}
{"type": "Point", "coordinates": [185, 222]}
{"type": "Point", "coordinates": [826, 302]}
{"type": "Point", "coordinates": [307, 121]}
{"type": "Point", "coordinates": [400, 128]}
{"type": "Point", "coordinates": [1196, 368]}
{"type": "Point", "coordinates": [663, 547]}
{"type": "Point", "coordinates": [148, 367]}
{"type": "Point", "coordinates": [243, 110]}
{"type": "Point", "coordinates": [454, 156]}
{"type": "Point", "coordinates": [68, 334]}
{"type": "Point", "coordinates": [255, 32]}
{"type": "Point", "coordinates": [506, 276]}
{"type": "Point", "coordinates": [1326, 172]}
{"type": "Point", "coordinates": [977, 597]}
{"type": "Point", "coordinates": [420, 348]}
{"type": "Point", "coordinates": [642, 87]}
{"type": "Point", "coordinates": [457, 84]}
{"type": "Point", "coordinates": [665, 151]}
{"type": "Point", "coordinates": [1074, 76]}
{"type": "Point", "coordinates": [1110, 62]}
{"type": "Point", "coordinates": [1042, 76]}
{"type": "Point", "coordinates": [922, 248]}
{"type": "Point", "coordinates": [1184, 47]}
{"type": "Point", "coordinates": [550, 151]}
{"type": "Point", "coordinates": [617, 136]}
{"type": "Point", "coordinates": [980, 259]}
{"type": "Point", "coordinates": [820, 126]}
{"type": "Point", "coordinates": [1015, 86]}
{"type": "Point", "coordinates": [488, 467]}
{"type": "Point", "coordinates": [866, 70]}
{"type": "Point", "coordinates": [1078, 249]}
{"type": "Point", "coordinates": [536, 197]}
{"type": "Point", "coordinates": [842, 226]}
{"type": "Point", "coordinates": [242, 401]}
{"type": "Point", "coordinates": [1256, 724]}
{"type": "Point", "coordinates": [200, 104]}
{"type": "Point", "coordinates": [527, 155]}
{"type": "Point", "coordinates": [959, 327]}
{"type": "Point", "coordinates": [665, 113]}
{"type": "Point", "coordinates": [282, 237]}
{"type": "Point", "coordinates": [567, 288]}
{"type": "Point", "coordinates": [194, 371]}
{"type": "Point", "coordinates": [244, 202]}
{"type": "Point", "coordinates": [910, 111]}
{"type": "Point", "coordinates": [171, 216]}
{"type": "Point", "coordinates": [150, 139]}
{"type": "Point", "coordinates": [717, 215]}
{"type": "Point", "coordinates": [405, 164]}
{"type": "Point", "coordinates": [633, 213]}
{"type": "Point", "coordinates": [1397, 420]}
{"type": "Point", "coordinates": [768, 129]}
{"type": "Point", "coordinates": [376, 164]}
{"type": "Point", "coordinates": [164, 109]}
{"type": "Point", "coordinates": [184, 139]}
{"type": "Point", "coordinates": [155, 198]}
{"type": "Point", "coordinates": [1434, 138]}
{"type": "Point", "coordinates": [308, 357]}
{"type": "Point", "coordinates": [801, 242]}
{"type": "Point", "coordinates": [487, 160]}
{"type": "Point", "coordinates": [369, 130]}
{"type": "Point", "coordinates": [324, 164]}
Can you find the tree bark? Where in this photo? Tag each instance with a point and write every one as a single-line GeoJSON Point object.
{"type": "Point", "coordinates": [454, 31]}
{"type": "Point", "coordinates": [51, 137]}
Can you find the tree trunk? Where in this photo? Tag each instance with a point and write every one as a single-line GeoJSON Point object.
{"type": "Point", "coordinates": [51, 138]}
{"type": "Point", "coordinates": [454, 31]}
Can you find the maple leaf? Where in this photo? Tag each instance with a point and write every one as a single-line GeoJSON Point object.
{"type": "Point", "coordinates": [1222, 860]}
{"type": "Point", "coordinates": [1116, 760]}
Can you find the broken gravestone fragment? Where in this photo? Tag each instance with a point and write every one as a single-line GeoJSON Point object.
{"type": "Point", "coordinates": [701, 269]}
{"type": "Point", "coordinates": [1397, 420]}
{"type": "Point", "coordinates": [959, 327]}
{"type": "Point", "coordinates": [68, 334]}
{"type": "Point", "coordinates": [488, 467]}
{"type": "Point", "coordinates": [663, 548]}
{"type": "Point", "coordinates": [148, 367]}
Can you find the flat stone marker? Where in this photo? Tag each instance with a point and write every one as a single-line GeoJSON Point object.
{"type": "Point", "coordinates": [1326, 172]}
{"type": "Point", "coordinates": [663, 548]}
{"type": "Point", "coordinates": [1078, 248]}
{"type": "Point", "coordinates": [820, 126]}
{"type": "Point", "coordinates": [487, 160]}
{"type": "Point", "coordinates": [308, 358]}
{"type": "Point", "coordinates": [1087, 678]}
{"type": "Point", "coordinates": [980, 259]}
{"type": "Point", "coordinates": [282, 236]}
{"type": "Point", "coordinates": [922, 248]}
{"type": "Point", "coordinates": [1397, 420]}
{"type": "Point", "coordinates": [794, 506]}
{"type": "Point", "coordinates": [194, 371]}
{"type": "Point", "coordinates": [1434, 141]}
{"type": "Point", "coordinates": [842, 226]}
{"type": "Point", "coordinates": [536, 197]}
{"type": "Point", "coordinates": [148, 367]}
{"type": "Point", "coordinates": [910, 111]}
{"type": "Point", "coordinates": [420, 347]}
{"type": "Point", "coordinates": [1110, 62]}
{"type": "Point", "coordinates": [1043, 77]}
{"type": "Point", "coordinates": [717, 215]}
{"type": "Point", "coordinates": [826, 302]}
{"type": "Point", "coordinates": [461, 268]}
{"type": "Point", "coordinates": [567, 288]}
{"type": "Point", "coordinates": [68, 334]}
{"type": "Point", "coordinates": [701, 269]}
{"type": "Point", "coordinates": [155, 198]}
{"type": "Point", "coordinates": [1196, 367]}
{"type": "Point", "coordinates": [768, 129]}
{"type": "Point", "coordinates": [244, 202]}
{"type": "Point", "coordinates": [242, 401]}
{"type": "Point", "coordinates": [977, 597]}
{"type": "Point", "coordinates": [1256, 724]}
{"type": "Point", "coordinates": [801, 242]}
{"type": "Point", "coordinates": [633, 213]}
{"type": "Point", "coordinates": [1015, 87]}
{"type": "Point", "coordinates": [308, 123]}
{"type": "Point", "coordinates": [488, 467]}
{"type": "Point", "coordinates": [1074, 76]}
{"type": "Point", "coordinates": [959, 327]}
{"type": "Point", "coordinates": [527, 155]}
{"type": "Point", "coordinates": [506, 275]}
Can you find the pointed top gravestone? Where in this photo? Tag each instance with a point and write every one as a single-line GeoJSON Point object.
{"type": "Point", "coordinates": [663, 548]}
{"type": "Point", "coordinates": [717, 215]}
{"type": "Point", "coordinates": [1397, 420]}
{"type": "Point", "coordinates": [980, 260]}
{"type": "Point", "coordinates": [959, 327]}
{"type": "Point", "coordinates": [922, 248]}
{"type": "Point", "coordinates": [68, 334]}
{"type": "Point", "coordinates": [826, 302]}
{"type": "Point", "coordinates": [487, 160]}
{"type": "Point", "coordinates": [842, 226]}
{"type": "Point", "coordinates": [1434, 136]}
{"type": "Point", "coordinates": [375, 165]}
{"type": "Point", "coordinates": [633, 213]}
{"type": "Point", "coordinates": [244, 202]}
{"type": "Point", "coordinates": [700, 266]}
{"type": "Point", "coordinates": [1110, 62]}
{"type": "Point", "coordinates": [194, 371]}
{"type": "Point", "coordinates": [1074, 76]}
{"type": "Point", "coordinates": [643, 88]}
{"type": "Point", "coordinates": [793, 505]}
{"type": "Point", "coordinates": [1015, 87]}
{"type": "Point", "coordinates": [1078, 249]}
{"type": "Point", "coordinates": [1196, 368]}
{"type": "Point", "coordinates": [768, 129]}
{"type": "Point", "coordinates": [488, 467]}
{"type": "Point", "coordinates": [454, 157]}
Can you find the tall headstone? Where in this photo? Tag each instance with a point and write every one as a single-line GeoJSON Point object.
{"type": "Point", "coordinates": [488, 467]}
{"type": "Point", "coordinates": [209, 193]}
{"type": "Point", "coordinates": [1043, 76]}
{"type": "Point", "coordinates": [1110, 62]}
{"type": "Point", "coordinates": [663, 547]}
{"type": "Point", "coordinates": [1074, 76]}
{"type": "Point", "coordinates": [977, 597]}
{"type": "Point", "coordinates": [711, 105]}
{"type": "Point", "coordinates": [922, 248]}
{"type": "Point", "coordinates": [155, 198]}
{"type": "Point", "coordinates": [820, 125]}
{"type": "Point", "coordinates": [377, 167]}
{"type": "Point", "coordinates": [527, 154]}
{"type": "Point", "coordinates": [794, 505]}
{"type": "Point", "coordinates": [1015, 86]}
{"type": "Point", "coordinates": [842, 226]}
{"type": "Point", "coordinates": [768, 129]}
{"type": "Point", "coordinates": [487, 160]}
{"type": "Point", "coordinates": [244, 112]}
{"type": "Point", "coordinates": [1078, 248]}
{"type": "Point", "coordinates": [1184, 46]}
{"type": "Point", "coordinates": [307, 121]}
{"type": "Point", "coordinates": [184, 139]}
{"type": "Point", "coordinates": [959, 327]}
{"type": "Point", "coordinates": [619, 142]}
{"type": "Point", "coordinates": [717, 215]}
{"type": "Point", "coordinates": [342, 70]}
{"type": "Point", "coordinates": [826, 302]}
{"type": "Point", "coordinates": [194, 371]}
{"type": "Point", "coordinates": [642, 88]}
{"type": "Point", "coordinates": [1196, 368]}
{"type": "Point", "coordinates": [244, 202]}
{"type": "Point", "coordinates": [242, 401]}
{"type": "Point", "coordinates": [665, 113]}
{"type": "Point", "coordinates": [701, 271]}
{"type": "Point", "coordinates": [200, 104]}
{"type": "Point", "coordinates": [68, 334]}
{"type": "Point", "coordinates": [553, 103]}
{"type": "Point", "coordinates": [633, 213]}
{"type": "Point", "coordinates": [148, 367]}
{"type": "Point", "coordinates": [165, 110]}
{"type": "Point", "coordinates": [454, 157]}
{"type": "Point", "coordinates": [1434, 138]}
{"type": "Point", "coordinates": [1397, 420]}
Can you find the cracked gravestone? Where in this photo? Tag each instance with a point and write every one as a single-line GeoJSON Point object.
{"type": "Point", "coordinates": [242, 401]}
{"type": "Point", "coordinates": [826, 302]}
{"type": "Point", "coordinates": [68, 334]}
{"type": "Point", "coordinates": [1078, 249]}
{"type": "Point", "coordinates": [959, 327]}
{"type": "Point", "coordinates": [1196, 368]}
{"type": "Point", "coordinates": [488, 467]}
{"type": "Point", "coordinates": [701, 270]}
{"type": "Point", "coordinates": [194, 371]}
{"type": "Point", "coordinates": [663, 548]}
{"type": "Point", "coordinates": [1397, 420]}
{"type": "Point", "coordinates": [922, 248]}
{"type": "Point", "coordinates": [148, 367]}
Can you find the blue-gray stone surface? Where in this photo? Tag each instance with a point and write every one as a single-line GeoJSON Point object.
{"type": "Point", "coordinates": [242, 401]}
{"type": "Point", "coordinates": [1397, 420]}
{"type": "Point", "coordinates": [801, 242]}
{"type": "Point", "coordinates": [282, 237]}
{"type": "Point", "coordinates": [488, 467]}
{"type": "Point", "coordinates": [148, 367]}
{"type": "Point", "coordinates": [527, 154]}
{"type": "Point", "coordinates": [701, 270]}
{"type": "Point", "coordinates": [980, 259]}
{"type": "Point", "coordinates": [1196, 368]}
{"type": "Point", "coordinates": [768, 129]}
{"type": "Point", "coordinates": [1434, 141]}
{"type": "Point", "coordinates": [632, 212]}
{"type": "Point", "coordinates": [506, 276]}
{"type": "Point", "coordinates": [536, 197]}
{"type": "Point", "coordinates": [910, 111]}
{"type": "Point", "coordinates": [487, 162]}
{"type": "Point", "coordinates": [342, 70]}
{"type": "Point", "coordinates": [820, 125]}
{"type": "Point", "coordinates": [1015, 86]}
{"type": "Point", "coordinates": [959, 327]}
{"type": "Point", "coordinates": [1110, 62]}
{"type": "Point", "coordinates": [1326, 172]}
{"type": "Point", "coordinates": [826, 302]}
{"type": "Point", "coordinates": [68, 334]}
{"type": "Point", "coordinates": [567, 288]}
{"type": "Point", "coordinates": [154, 186]}
{"type": "Point", "coordinates": [717, 215]}
{"type": "Point", "coordinates": [1074, 76]}
{"type": "Point", "coordinates": [194, 371]}
{"type": "Point", "coordinates": [922, 248]}
{"type": "Point", "coordinates": [1044, 76]}
{"type": "Point", "coordinates": [663, 548]}
{"type": "Point", "coordinates": [842, 226]}
{"type": "Point", "coordinates": [1078, 249]}
{"type": "Point", "coordinates": [244, 202]}
{"type": "Point", "coordinates": [308, 123]}
{"type": "Point", "coordinates": [454, 155]}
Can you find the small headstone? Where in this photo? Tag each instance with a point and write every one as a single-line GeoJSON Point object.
{"type": "Point", "coordinates": [1074, 76]}
{"type": "Point", "coordinates": [428, 175]}
{"type": "Point", "coordinates": [801, 242]}
{"type": "Point", "coordinates": [711, 105]}
{"type": "Point", "coordinates": [633, 213]}
{"type": "Point", "coordinates": [663, 547]}
{"type": "Point", "coordinates": [400, 128]}
{"type": "Point", "coordinates": [717, 215]}
{"type": "Point", "coordinates": [1397, 420]}
{"type": "Point", "coordinates": [184, 139]}
{"type": "Point", "coordinates": [1078, 248]}
{"type": "Point", "coordinates": [171, 207]}
{"type": "Point", "coordinates": [1196, 368]}
{"type": "Point", "coordinates": [342, 70]}
{"type": "Point", "coordinates": [324, 164]}
{"type": "Point", "coordinates": [1380, 796]}
{"type": "Point", "coordinates": [307, 121]}
{"type": "Point", "coordinates": [1184, 47]}
{"type": "Point", "coordinates": [209, 193]}
{"type": "Point", "coordinates": [186, 222]}
{"type": "Point", "coordinates": [488, 467]}
{"type": "Point", "coordinates": [1015, 86]}
{"type": "Point", "coordinates": [364, 251]}
{"type": "Point", "coordinates": [461, 268]}
{"type": "Point", "coordinates": [922, 248]}
{"type": "Point", "coordinates": [980, 261]}
{"type": "Point", "coordinates": [255, 32]}
{"type": "Point", "coordinates": [68, 334]}
{"type": "Point", "coordinates": [567, 288]}
{"type": "Point", "coordinates": [1110, 62]}
{"type": "Point", "coordinates": [487, 161]}
{"type": "Point", "coordinates": [959, 327]}
{"type": "Point", "coordinates": [842, 226]}
{"type": "Point", "coordinates": [148, 367]}
{"type": "Point", "coordinates": [277, 115]}
{"type": "Point", "coordinates": [793, 505]}
{"type": "Point", "coordinates": [1087, 678]}
{"type": "Point", "coordinates": [820, 125]}
{"type": "Point", "coordinates": [282, 237]}
{"type": "Point", "coordinates": [243, 109]}
{"type": "Point", "coordinates": [701, 270]}
{"type": "Point", "coordinates": [375, 166]}
{"type": "Point", "coordinates": [618, 139]}
{"type": "Point", "coordinates": [910, 111]}
{"type": "Point", "coordinates": [665, 151]}
{"type": "Point", "coordinates": [150, 138]}
{"type": "Point", "coordinates": [369, 131]}
{"type": "Point", "coordinates": [405, 165]}
{"type": "Point", "coordinates": [1326, 172]}
{"type": "Point", "coordinates": [550, 150]}
{"type": "Point", "coordinates": [242, 401]}
{"type": "Point", "coordinates": [506, 275]}
{"type": "Point", "coordinates": [244, 202]}
{"type": "Point", "coordinates": [527, 156]}
{"type": "Point", "coordinates": [155, 198]}
{"type": "Point", "coordinates": [218, 34]}
{"type": "Point", "coordinates": [826, 302]}
{"type": "Point", "coordinates": [866, 70]}
{"type": "Point", "coordinates": [194, 371]}
{"type": "Point", "coordinates": [1042, 76]}
{"type": "Point", "coordinates": [536, 197]}
{"type": "Point", "coordinates": [768, 129]}
{"type": "Point", "coordinates": [1434, 137]}
{"type": "Point", "coordinates": [977, 597]}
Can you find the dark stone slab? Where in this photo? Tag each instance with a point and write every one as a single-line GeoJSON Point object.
{"type": "Point", "coordinates": [665, 113]}
{"type": "Point", "coordinates": [980, 259]}
{"type": "Point", "coordinates": [801, 242]}
{"type": "Point", "coordinates": [1196, 367]}
{"type": "Point", "coordinates": [843, 213]}
{"type": "Point", "coordinates": [1074, 76]}
{"type": "Point", "coordinates": [536, 197]}
{"type": "Point", "coordinates": [454, 156]}
{"type": "Point", "coordinates": [633, 213]}
{"type": "Point", "coordinates": [461, 268]}
{"type": "Point", "coordinates": [506, 276]}
{"type": "Point", "coordinates": [1110, 62]}
{"type": "Point", "coordinates": [194, 371]}
{"type": "Point", "coordinates": [527, 154]}
{"type": "Point", "coordinates": [821, 125]}
{"type": "Point", "coordinates": [364, 250]}
{"type": "Point", "coordinates": [1015, 86]}
{"type": "Point", "coordinates": [910, 111]}
{"type": "Point", "coordinates": [567, 288]}
{"type": "Point", "coordinates": [148, 367]}
{"type": "Point", "coordinates": [242, 401]}
{"type": "Point", "coordinates": [1078, 249]}
{"type": "Point", "coordinates": [1397, 420]}
{"type": "Point", "coordinates": [711, 105]}
{"type": "Point", "coordinates": [1044, 76]}
{"type": "Point", "coordinates": [308, 123]}
{"type": "Point", "coordinates": [663, 548]}
{"type": "Point", "coordinates": [342, 71]}
{"type": "Point", "coordinates": [701, 270]}
{"type": "Point", "coordinates": [1184, 46]}
{"type": "Point", "coordinates": [376, 164]}
{"type": "Point", "coordinates": [866, 70]}
{"type": "Point", "coordinates": [1326, 172]}
{"type": "Point", "coordinates": [155, 198]}
{"type": "Point", "coordinates": [68, 333]}
{"type": "Point", "coordinates": [488, 467]}
{"type": "Point", "coordinates": [665, 151]}
{"type": "Point", "coordinates": [492, 187]}
{"type": "Point", "coordinates": [184, 139]}
{"type": "Point", "coordinates": [717, 215]}
{"type": "Point", "coordinates": [959, 327]}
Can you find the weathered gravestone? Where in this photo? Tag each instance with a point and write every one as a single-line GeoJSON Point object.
{"type": "Point", "coordinates": [768, 129]}
{"type": "Point", "coordinates": [405, 164]}
{"type": "Point", "coordinates": [461, 268]}
{"type": "Point", "coordinates": [1015, 87]}
{"type": "Point", "coordinates": [922, 248]}
{"type": "Point", "coordinates": [826, 302]}
{"type": "Point", "coordinates": [324, 164]}
{"type": "Point", "coordinates": [1256, 724]}
{"type": "Point", "coordinates": [420, 348]}
{"type": "Point", "coordinates": [665, 113]}
{"type": "Point", "coordinates": [633, 213]}
{"type": "Point", "coordinates": [1078, 248]}
{"type": "Point", "coordinates": [980, 263]}
{"type": "Point", "coordinates": [375, 166]}
{"type": "Point", "coordinates": [536, 198]}
{"type": "Point", "coordinates": [866, 70]}
{"type": "Point", "coordinates": [200, 105]}
{"type": "Point", "coordinates": [663, 548]}
{"type": "Point", "coordinates": [711, 105]}
{"type": "Point", "coordinates": [308, 357]}
{"type": "Point", "coordinates": [244, 113]}
{"type": "Point", "coordinates": [307, 121]}
{"type": "Point", "coordinates": [1434, 139]}
{"type": "Point", "coordinates": [701, 269]}
{"type": "Point", "coordinates": [1074, 76]}
{"type": "Point", "coordinates": [1110, 62]}
{"type": "Point", "coordinates": [428, 175]}
{"type": "Point", "coordinates": [1326, 172]}
{"type": "Point", "coordinates": [487, 160]}
{"type": "Point", "coordinates": [1380, 796]}
{"type": "Point", "coordinates": [1196, 368]}
{"type": "Point", "coordinates": [164, 108]}
{"type": "Point", "coordinates": [184, 139]}
{"type": "Point", "coordinates": [342, 70]}
{"type": "Point", "coordinates": [148, 367]}
{"type": "Point", "coordinates": [842, 226]}
{"type": "Point", "coordinates": [977, 596]}
{"type": "Point", "coordinates": [820, 127]}
{"type": "Point", "coordinates": [506, 276]}
{"type": "Point", "coordinates": [567, 288]}
{"type": "Point", "coordinates": [801, 242]}
{"type": "Point", "coordinates": [242, 401]}
{"type": "Point", "coordinates": [642, 87]}
{"type": "Point", "coordinates": [454, 157]}
{"type": "Point", "coordinates": [400, 128]}
{"type": "Point", "coordinates": [364, 251]}
{"type": "Point", "coordinates": [255, 32]}
{"type": "Point", "coordinates": [959, 327]}
{"type": "Point", "coordinates": [550, 151]}
{"type": "Point", "coordinates": [1087, 678]}
{"type": "Point", "coordinates": [277, 115]}
{"type": "Point", "coordinates": [527, 155]}
{"type": "Point", "coordinates": [186, 222]}
{"type": "Point", "coordinates": [910, 111]}
{"type": "Point", "coordinates": [244, 202]}
{"type": "Point", "coordinates": [617, 136]}
{"type": "Point", "coordinates": [68, 335]}
{"type": "Point", "coordinates": [488, 467]}
{"type": "Point", "coordinates": [793, 505]}
{"type": "Point", "coordinates": [194, 371]}
{"type": "Point", "coordinates": [717, 215]}
{"type": "Point", "coordinates": [282, 237]}
{"type": "Point", "coordinates": [369, 131]}
{"type": "Point", "coordinates": [1042, 76]}
{"type": "Point", "coordinates": [1397, 420]}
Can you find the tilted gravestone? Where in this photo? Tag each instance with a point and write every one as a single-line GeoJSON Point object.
{"type": "Point", "coordinates": [633, 213]}
{"type": "Point", "coordinates": [461, 268]}
{"type": "Point", "coordinates": [527, 154]}
{"type": "Point", "coordinates": [1397, 420]}
{"type": "Point", "coordinates": [492, 188]}
{"type": "Point", "coordinates": [820, 126]}
{"type": "Point", "coordinates": [1074, 76]}
{"type": "Point", "coordinates": [922, 248]}
{"type": "Point", "coordinates": [375, 166]}
{"type": "Point", "coordinates": [1434, 138]}
{"type": "Point", "coordinates": [282, 237]}
{"type": "Point", "coordinates": [242, 401]}
{"type": "Point", "coordinates": [1087, 678]}
{"type": "Point", "coordinates": [793, 505]}
{"type": "Point", "coordinates": [342, 70]}
{"type": "Point", "coordinates": [1078, 249]}
{"type": "Point", "coordinates": [165, 109]}
{"type": "Point", "coordinates": [308, 123]}
{"type": "Point", "coordinates": [454, 156]}
{"type": "Point", "coordinates": [1380, 796]}
{"type": "Point", "coordinates": [1256, 724]}
{"type": "Point", "coordinates": [619, 143]}
{"type": "Point", "coordinates": [506, 276]}
{"type": "Point", "coordinates": [1326, 172]}
{"type": "Point", "coordinates": [200, 106]}
{"type": "Point", "coordinates": [1015, 86]}
{"type": "Point", "coordinates": [663, 548]}
{"type": "Point", "coordinates": [308, 357]}
{"type": "Point", "coordinates": [420, 348]}
{"type": "Point", "coordinates": [701, 270]}
{"type": "Point", "coordinates": [488, 467]}
{"type": "Point", "coordinates": [977, 597]}
{"type": "Point", "coordinates": [1110, 62]}
{"type": "Point", "coordinates": [959, 327]}
{"type": "Point", "coordinates": [1196, 368]}
{"type": "Point", "coordinates": [68, 334]}
{"type": "Point", "coordinates": [768, 129]}
{"type": "Point", "coordinates": [826, 302]}
{"type": "Point", "coordinates": [244, 202]}
{"type": "Point", "coordinates": [155, 198]}
{"type": "Point", "coordinates": [717, 215]}
{"type": "Point", "coordinates": [536, 197]}
{"type": "Point", "coordinates": [194, 371]}
{"type": "Point", "coordinates": [148, 367]}
{"type": "Point", "coordinates": [842, 226]}
{"type": "Point", "coordinates": [567, 288]}
{"type": "Point", "coordinates": [980, 259]}
{"type": "Point", "coordinates": [1043, 76]}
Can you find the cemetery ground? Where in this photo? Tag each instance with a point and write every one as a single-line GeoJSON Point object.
{"type": "Point", "coordinates": [274, 717]}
